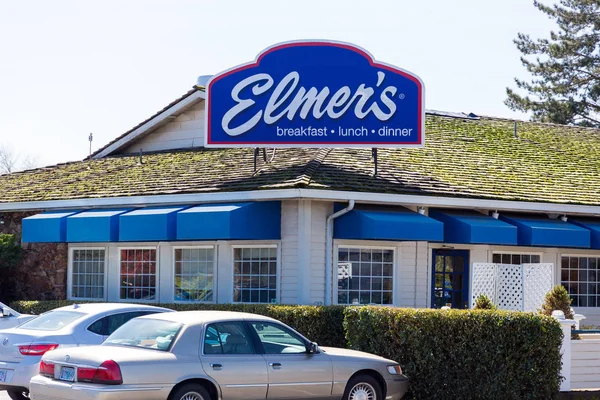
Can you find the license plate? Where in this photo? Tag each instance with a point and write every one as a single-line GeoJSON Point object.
{"type": "Point", "coordinates": [67, 374]}
{"type": "Point", "coordinates": [2, 375]}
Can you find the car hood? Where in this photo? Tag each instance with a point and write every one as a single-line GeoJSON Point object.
{"type": "Point", "coordinates": [336, 352]}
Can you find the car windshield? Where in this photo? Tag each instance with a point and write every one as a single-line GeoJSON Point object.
{"type": "Point", "coordinates": [146, 333]}
{"type": "Point", "coordinates": [52, 320]}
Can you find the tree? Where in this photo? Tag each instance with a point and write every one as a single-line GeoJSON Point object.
{"type": "Point", "coordinates": [565, 68]}
{"type": "Point", "coordinates": [557, 299]}
{"type": "Point", "coordinates": [12, 162]}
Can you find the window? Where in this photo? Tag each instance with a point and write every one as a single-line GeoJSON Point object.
{"type": "Point", "coordinates": [581, 277]}
{"type": "Point", "coordinates": [517, 259]}
{"type": "Point", "coordinates": [365, 276]}
{"type": "Point", "coordinates": [255, 275]}
{"type": "Point", "coordinates": [87, 279]}
{"type": "Point", "coordinates": [194, 274]}
{"type": "Point", "coordinates": [52, 321]}
{"type": "Point", "coordinates": [146, 333]}
{"type": "Point", "coordinates": [227, 338]}
{"type": "Point", "coordinates": [277, 339]}
{"type": "Point", "coordinates": [138, 274]}
{"type": "Point", "coordinates": [107, 325]}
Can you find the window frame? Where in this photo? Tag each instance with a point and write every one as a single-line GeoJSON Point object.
{"type": "Point", "coordinates": [215, 275]}
{"type": "Point", "coordinates": [395, 275]}
{"type": "Point", "coordinates": [559, 277]}
{"type": "Point", "coordinates": [258, 350]}
{"type": "Point", "coordinates": [70, 261]}
{"type": "Point", "coordinates": [259, 343]}
{"type": "Point", "coordinates": [157, 274]}
{"type": "Point", "coordinates": [277, 270]}
{"type": "Point", "coordinates": [519, 253]}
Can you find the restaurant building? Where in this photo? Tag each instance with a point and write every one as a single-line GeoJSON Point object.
{"type": "Point", "coordinates": [157, 216]}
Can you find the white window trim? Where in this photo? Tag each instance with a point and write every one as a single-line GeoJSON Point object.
{"type": "Point", "coordinates": [215, 275]}
{"type": "Point", "coordinates": [395, 269]}
{"type": "Point", "coordinates": [518, 253]}
{"type": "Point", "coordinates": [277, 268]}
{"type": "Point", "coordinates": [157, 279]}
{"type": "Point", "coordinates": [70, 273]}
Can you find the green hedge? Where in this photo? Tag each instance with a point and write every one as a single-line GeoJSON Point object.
{"type": "Point", "coordinates": [463, 354]}
{"type": "Point", "coordinates": [446, 354]}
{"type": "Point", "coordinates": [323, 325]}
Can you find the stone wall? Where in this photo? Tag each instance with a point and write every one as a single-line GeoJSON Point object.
{"type": "Point", "coordinates": [42, 275]}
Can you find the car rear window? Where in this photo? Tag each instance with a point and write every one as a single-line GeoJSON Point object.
{"type": "Point", "coordinates": [52, 320]}
{"type": "Point", "coordinates": [145, 333]}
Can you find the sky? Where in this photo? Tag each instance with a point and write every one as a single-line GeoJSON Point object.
{"type": "Point", "coordinates": [71, 68]}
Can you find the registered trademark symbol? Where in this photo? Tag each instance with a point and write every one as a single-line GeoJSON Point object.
{"type": "Point", "coordinates": [401, 96]}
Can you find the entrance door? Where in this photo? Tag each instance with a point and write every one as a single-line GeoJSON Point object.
{"type": "Point", "coordinates": [450, 286]}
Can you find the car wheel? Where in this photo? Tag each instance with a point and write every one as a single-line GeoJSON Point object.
{"type": "Point", "coordinates": [363, 387]}
{"type": "Point", "coordinates": [18, 395]}
{"type": "Point", "coordinates": [191, 391]}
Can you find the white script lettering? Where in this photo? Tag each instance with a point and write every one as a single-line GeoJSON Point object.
{"type": "Point", "coordinates": [289, 99]}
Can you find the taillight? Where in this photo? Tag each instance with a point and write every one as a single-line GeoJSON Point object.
{"type": "Point", "coordinates": [108, 373]}
{"type": "Point", "coordinates": [47, 369]}
{"type": "Point", "coordinates": [36, 349]}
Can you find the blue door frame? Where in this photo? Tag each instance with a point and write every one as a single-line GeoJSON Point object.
{"type": "Point", "coordinates": [450, 278]}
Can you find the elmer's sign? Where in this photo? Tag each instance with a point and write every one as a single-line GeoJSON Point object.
{"type": "Point", "coordinates": [315, 94]}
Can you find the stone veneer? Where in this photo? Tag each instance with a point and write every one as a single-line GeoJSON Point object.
{"type": "Point", "coordinates": [42, 275]}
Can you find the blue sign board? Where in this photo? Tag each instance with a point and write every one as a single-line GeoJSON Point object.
{"type": "Point", "coordinates": [315, 94]}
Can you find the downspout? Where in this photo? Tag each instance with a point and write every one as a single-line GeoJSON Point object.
{"type": "Point", "coordinates": [329, 249]}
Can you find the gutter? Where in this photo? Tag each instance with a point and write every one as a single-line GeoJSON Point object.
{"type": "Point", "coordinates": [314, 194]}
{"type": "Point", "coordinates": [329, 250]}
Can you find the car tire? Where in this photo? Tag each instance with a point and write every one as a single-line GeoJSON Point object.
{"type": "Point", "coordinates": [18, 395]}
{"type": "Point", "coordinates": [190, 391]}
{"type": "Point", "coordinates": [363, 387]}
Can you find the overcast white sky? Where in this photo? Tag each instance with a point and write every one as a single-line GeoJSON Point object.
{"type": "Point", "coordinates": [68, 68]}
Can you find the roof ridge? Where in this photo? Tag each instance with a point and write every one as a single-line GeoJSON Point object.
{"type": "Point", "coordinates": [312, 166]}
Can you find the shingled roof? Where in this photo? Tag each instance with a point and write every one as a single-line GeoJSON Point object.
{"type": "Point", "coordinates": [474, 158]}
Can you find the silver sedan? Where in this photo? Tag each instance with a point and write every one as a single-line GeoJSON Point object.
{"type": "Point", "coordinates": [213, 355]}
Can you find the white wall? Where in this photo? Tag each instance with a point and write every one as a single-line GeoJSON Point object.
{"type": "Point", "coordinates": [289, 252]}
{"type": "Point", "coordinates": [585, 364]}
{"type": "Point", "coordinates": [186, 130]}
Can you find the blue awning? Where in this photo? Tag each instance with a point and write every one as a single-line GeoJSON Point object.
{"type": "Point", "coordinates": [233, 221]}
{"type": "Point", "coordinates": [593, 225]}
{"type": "Point", "coordinates": [536, 230]}
{"type": "Point", "coordinates": [149, 224]}
{"type": "Point", "coordinates": [47, 227]}
{"type": "Point", "coordinates": [94, 226]}
{"type": "Point", "coordinates": [387, 224]}
{"type": "Point", "coordinates": [464, 226]}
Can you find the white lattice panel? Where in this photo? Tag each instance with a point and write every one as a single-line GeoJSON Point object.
{"type": "Point", "coordinates": [510, 287]}
{"type": "Point", "coordinates": [483, 281]}
{"type": "Point", "coordinates": [538, 280]}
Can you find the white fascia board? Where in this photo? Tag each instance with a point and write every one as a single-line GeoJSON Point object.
{"type": "Point", "coordinates": [314, 194]}
{"type": "Point", "coordinates": [154, 123]}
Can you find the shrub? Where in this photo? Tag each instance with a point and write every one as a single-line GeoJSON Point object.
{"type": "Point", "coordinates": [322, 324]}
{"type": "Point", "coordinates": [557, 299]}
{"type": "Point", "coordinates": [484, 303]}
{"type": "Point", "coordinates": [10, 251]}
{"type": "Point", "coordinates": [463, 354]}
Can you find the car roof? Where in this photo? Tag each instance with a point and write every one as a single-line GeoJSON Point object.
{"type": "Point", "coordinates": [202, 317]}
{"type": "Point", "coordinates": [95, 308]}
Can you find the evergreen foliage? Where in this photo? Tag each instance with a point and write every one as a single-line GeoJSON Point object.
{"type": "Point", "coordinates": [565, 67]}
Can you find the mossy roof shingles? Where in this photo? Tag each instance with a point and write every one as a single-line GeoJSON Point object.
{"type": "Point", "coordinates": [461, 158]}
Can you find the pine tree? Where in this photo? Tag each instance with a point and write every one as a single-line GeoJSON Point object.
{"type": "Point", "coordinates": [565, 69]}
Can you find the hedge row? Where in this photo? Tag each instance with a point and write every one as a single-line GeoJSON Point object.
{"type": "Point", "coordinates": [464, 354]}
{"type": "Point", "coordinates": [323, 325]}
{"type": "Point", "coordinates": [446, 354]}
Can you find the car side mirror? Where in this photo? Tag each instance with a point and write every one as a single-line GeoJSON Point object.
{"type": "Point", "coordinates": [5, 312]}
{"type": "Point", "coordinates": [312, 348]}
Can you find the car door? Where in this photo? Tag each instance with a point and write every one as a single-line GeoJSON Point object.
{"type": "Point", "coordinates": [293, 372]}
{"type": "Point", "coordinates": [230, 357]}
